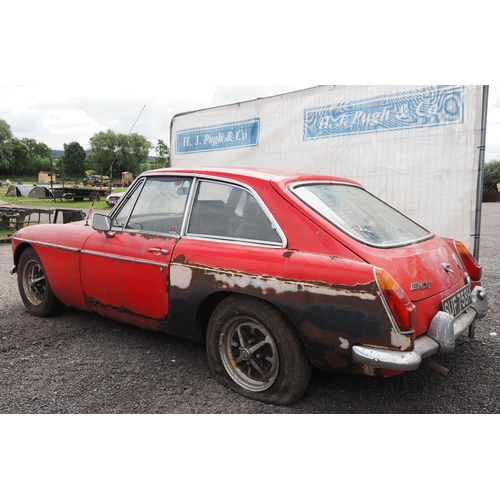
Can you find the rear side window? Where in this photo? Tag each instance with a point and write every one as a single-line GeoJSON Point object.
{"type": "Point", "coordinates": [230, 212]}
{"type": "Point", "coordinates": [360, 214]}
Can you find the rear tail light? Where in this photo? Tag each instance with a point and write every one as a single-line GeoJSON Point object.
{"type": "Point", "coordinates": [474, 270]}
{"type": "Point", "coordinates": [403, 310]}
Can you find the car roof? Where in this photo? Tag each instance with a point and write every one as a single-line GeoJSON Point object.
{"type": "Point", "coordinates": [238, 173]}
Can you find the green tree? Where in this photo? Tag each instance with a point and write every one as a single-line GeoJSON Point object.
{"type": "Point", "coordinates": [5, 132]}
{"type": "Point", "coordinates": [37, 149]}
{"type": "Point", "coordinates": [40, 165]}
{"type": "Point", "coordinates": [491, 175]}
{"type": "Point", "coordinates": [103, 149]}
{"type": "Point", "coordinates": [74, 160]}
{"type": "Point", "coordinates": [112, 153]}
{"type": "Point", "coordinates": [20, 158]}
{"type": "Point", "coordinates": [162, 154]}
{"type": "Point", "coordinates": [5, 148]}
{"type": "Point", "coordinates": [4, 159]}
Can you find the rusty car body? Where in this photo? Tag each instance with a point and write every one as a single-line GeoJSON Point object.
{"type": "Point", "coordinates": [276, 271]}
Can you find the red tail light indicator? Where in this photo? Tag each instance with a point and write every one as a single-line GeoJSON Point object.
{"type": "Point", "coordinates": [471, 264]}
{"type": "Point", "coordinates": [404, 311]}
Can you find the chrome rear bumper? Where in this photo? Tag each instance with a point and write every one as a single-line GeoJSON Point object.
{"type": "Point", "coordinates": [441, 336]}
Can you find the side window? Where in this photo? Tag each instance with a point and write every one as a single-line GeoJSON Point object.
{"type": "Point", "coordinates": [210, 215]}
{"type": "Point", "coordinates": [155, 207]}
{"type": "Point", "coordinates": [231, 212]}
{"type": "Point", "coordinates": [120, 219]}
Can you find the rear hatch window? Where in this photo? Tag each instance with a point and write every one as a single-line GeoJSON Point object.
{"type": "Point", "coordinates": [361, 215]}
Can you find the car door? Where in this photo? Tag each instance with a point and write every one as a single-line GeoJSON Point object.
{"type": "Point", "coordinates": [125, 271]}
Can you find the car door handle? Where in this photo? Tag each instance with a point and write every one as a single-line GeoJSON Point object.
{"type": "Point", "coordinates": [159, 250]}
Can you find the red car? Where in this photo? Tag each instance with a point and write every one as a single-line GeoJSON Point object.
{"type": "Point", "coordinates": [276, 271]}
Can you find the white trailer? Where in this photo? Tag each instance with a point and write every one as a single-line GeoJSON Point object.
{"type": "Point", "coordinates": [419, 147]}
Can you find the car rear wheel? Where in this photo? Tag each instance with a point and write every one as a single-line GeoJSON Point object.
{"type": "Point", "coordinates": [34, 286]}
{"type": "Point", "coordinates": [254, 350]}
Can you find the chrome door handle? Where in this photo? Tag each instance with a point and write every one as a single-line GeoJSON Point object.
{"type": "Point", "coordinates": [447, 268]}
{"type": "Point", "coordinates": [159, 250]}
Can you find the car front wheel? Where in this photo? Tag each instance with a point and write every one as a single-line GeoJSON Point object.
{"type": "Point", "coordinates": [34, 286]}
{"type": "Point", "coordinates": [254, 350]}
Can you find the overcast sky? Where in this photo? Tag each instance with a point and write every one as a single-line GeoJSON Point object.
{"type": "Point", "coordinates": [55, 114]}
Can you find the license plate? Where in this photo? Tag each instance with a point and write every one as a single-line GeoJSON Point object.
{"type": "Point", "coordinates": [458, 302]}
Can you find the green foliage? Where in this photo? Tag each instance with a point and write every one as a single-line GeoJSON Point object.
{"type": "Point", "coordinates": [111, 153]}
{"type": "Point", "coordinates": [162, 154]}
{"type": "Point", "coordinates": [491, 175]}
{"type": "Point", "coordinates": [37, 149]}
{"type": "Point", "coordinates": [5, 132]}
{"type": "Point", "coordinates": [20, 157]}
{"type": "Point", "coordinates": [103, 148]}
{"type": "Point", "coordinates": [40, 165]}
{"type": "Point", "coordinates": [6, 159]}
{"type": "Point", "coordinates": [74, 160]}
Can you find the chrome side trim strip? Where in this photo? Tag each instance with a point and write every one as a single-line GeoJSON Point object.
{"type": "Point", "coordinates": [50, 245]}
{"type": "Point", "coordinates": [125, 259]}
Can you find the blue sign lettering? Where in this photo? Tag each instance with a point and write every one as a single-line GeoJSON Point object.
{"type": "Point", "coordinates": [232, 135]}
{"type": "Point", "coordinates": [430, 107]}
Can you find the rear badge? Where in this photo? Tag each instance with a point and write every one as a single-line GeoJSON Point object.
{"type": "Point", "coordinates": [425, 285]}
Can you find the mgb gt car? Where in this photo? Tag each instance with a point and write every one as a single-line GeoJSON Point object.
{"type": "Point", "coordinates": [275, 271]}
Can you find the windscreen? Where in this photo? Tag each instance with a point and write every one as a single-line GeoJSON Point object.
{"type": "Point", "coordinates": [360, 214]}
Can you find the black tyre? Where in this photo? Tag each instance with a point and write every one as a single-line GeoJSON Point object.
{"type": "Point", "coordinates": [34, 286]}
{"type": "Point", "coordinates": [94, 197]}
{"type": "Point", "coordinates": [254, 350]}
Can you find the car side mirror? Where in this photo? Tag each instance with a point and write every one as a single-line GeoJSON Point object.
{"type": "Point", "coordinates": [101, 222]}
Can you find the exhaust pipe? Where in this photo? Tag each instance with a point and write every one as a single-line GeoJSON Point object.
{"type": "Point", "coordinates": [435, 367]}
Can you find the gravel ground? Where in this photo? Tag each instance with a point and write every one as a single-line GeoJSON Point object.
{"type": "Point", "coordinates": [81, 363]}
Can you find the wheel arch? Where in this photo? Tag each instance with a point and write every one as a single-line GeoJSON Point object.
{"type": "Point", "coordinates": [210, 302]}
{"type": "Point", "coordinates": [18, 251]}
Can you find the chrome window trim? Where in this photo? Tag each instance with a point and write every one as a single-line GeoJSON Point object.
{"type": "Point", "coordinates": [233, 241]}
{"type": "Point", "coordinates": [196, 179]}
{"type": "Point", "coordinates": [229, 239]}
{"type": "Point", "coordinates": [142, 180]}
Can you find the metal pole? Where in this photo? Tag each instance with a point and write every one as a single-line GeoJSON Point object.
{"type": "Point", "coordinates": [480, 177]}
{"type": "Point", "coordinates": [479, 190]}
